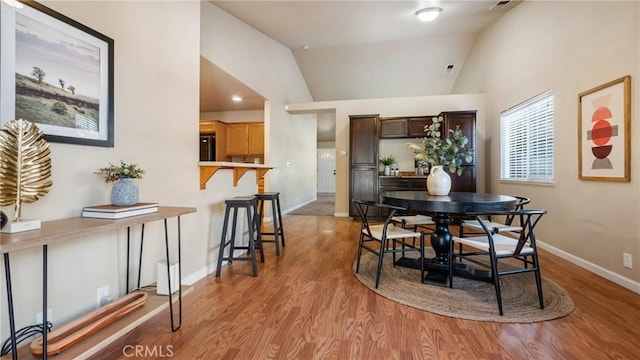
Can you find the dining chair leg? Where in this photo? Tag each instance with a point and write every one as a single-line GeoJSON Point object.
{"type": "Point", "coordinates": [360, 244]}
{"type": "Point", "coordinates": [421, 256]}
{"type": "Point", "coordinates": [380, 257]}
{"type": "Point", "coordinates": [451, 259]}
{"type": "Point", "coordinates": [539, 285]}
{"type": "Point", "coordinates": [496, 280]}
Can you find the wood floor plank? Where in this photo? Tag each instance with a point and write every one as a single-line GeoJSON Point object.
{"type": "Point", "coordinates": [307, 304]}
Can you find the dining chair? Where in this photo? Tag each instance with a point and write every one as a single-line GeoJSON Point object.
{"type": "Point", "coordinates": [503, 247]}
{"type": "Point", "coordinates": [474, 227]}
{"type": "Point", "coordinates": [375, 235]}
{"type": "Point", "coordinates": [415, 222]}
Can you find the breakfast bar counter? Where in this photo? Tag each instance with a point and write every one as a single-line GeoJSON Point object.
{"type": "Point", "coordinates": [208, 168]}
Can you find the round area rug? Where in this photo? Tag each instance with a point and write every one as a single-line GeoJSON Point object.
{"type": "Point", "coordinates": [469, 299]}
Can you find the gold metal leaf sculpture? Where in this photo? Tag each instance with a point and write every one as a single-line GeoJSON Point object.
{"type": "Point", "coordinates": [25, 164]}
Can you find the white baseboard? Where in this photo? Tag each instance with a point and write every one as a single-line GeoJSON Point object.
{"type": "Point", "coordinates": [596, 269]}
{"type": "Point", "coordinates": [200, 274]}
{"type": "Point", "coordinates": [341, 214]}
{"type": "Point", "coordinates": [285, 212]}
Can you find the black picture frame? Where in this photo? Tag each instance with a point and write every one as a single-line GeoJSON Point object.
{"type": "Point", "coordinates": [79, 108]}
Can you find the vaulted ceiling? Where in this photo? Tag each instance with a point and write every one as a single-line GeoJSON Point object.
{"type": "Point", "coordinates": [371, 49]}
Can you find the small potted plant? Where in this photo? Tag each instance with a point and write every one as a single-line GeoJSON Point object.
{"type": "Point", "coordinates": [124, 192]}
{"type": "Point", "coordinates": [387, 161]}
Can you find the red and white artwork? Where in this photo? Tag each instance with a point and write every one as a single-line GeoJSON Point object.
{"type": "Point", "coordinates": [604, 132]}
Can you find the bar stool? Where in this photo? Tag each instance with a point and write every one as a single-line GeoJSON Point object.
{"type": "Point", "coordinates": [278, 231]}
{"type": "Point", "coordinates": [250, 204]}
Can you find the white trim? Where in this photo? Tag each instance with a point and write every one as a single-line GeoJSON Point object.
{"type": "Point", "coordinates": [298, 207]}
{"type": "Point", "coordinates": [341, 214]}
{"type": "Point", "coordinates": [596, 269]}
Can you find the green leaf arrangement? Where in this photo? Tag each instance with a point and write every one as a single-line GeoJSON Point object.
{"type": "Point", "coordinates": [435, 150]}
{"type": "Point", "coordinates": [25, 165]}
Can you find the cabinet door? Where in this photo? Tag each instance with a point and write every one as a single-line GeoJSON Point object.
{"type": "Point", "coordinates": [208, 127]}
{"type": "Point", "coordinates": [465, 182]}
{"type": "Point", "coordinates": [364, 186]}
{"type": "Point", "coordinates": [393, 128]}
{"type": "Point", "coordinates": [467, 122]}
{"type": "Point", "coordinates": [256, 139]}
{"type": "Point", "coordinates": [364, 141]}
{"type": "Point", "coordinates": [221, 141]}
{"type": "Point", "coordinates": [415, 126]}
{"type": "Point", "coordinates": [237, 139]}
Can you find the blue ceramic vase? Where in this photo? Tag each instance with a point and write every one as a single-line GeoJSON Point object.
{"type": "Point", "coordinates": [124, 192]}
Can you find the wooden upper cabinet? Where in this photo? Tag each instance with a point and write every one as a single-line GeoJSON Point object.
{"type": "Point", "coordinates": [244, 139]}
{"type": "Point", "coordinates": [256, 139]}
{"type": "Point", "coordinates": [237, 139]}
{"type": "Point", "coordinates": [364, 141]}
{"type": "Point", "coordinates": [208, 127]}
{"type": "Point", "coordinates": [393, 128]}
{"type": "Point", "coordinates": [415, 126]}
{"type": "Point", "coordinates": [467, 122]}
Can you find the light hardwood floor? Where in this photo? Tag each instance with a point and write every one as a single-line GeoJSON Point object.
{"type": "Point", "coordinates": [307, 304]}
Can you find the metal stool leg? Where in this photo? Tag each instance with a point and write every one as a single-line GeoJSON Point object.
{"type": "Point", "coordinates": [281, 229]}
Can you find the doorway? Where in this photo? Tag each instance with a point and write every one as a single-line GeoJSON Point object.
{"type": "Point", "coordinates": [326, 170]}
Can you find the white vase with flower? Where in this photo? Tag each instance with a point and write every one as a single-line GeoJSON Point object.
{"type": "Point", "coordinates": [440, 153]}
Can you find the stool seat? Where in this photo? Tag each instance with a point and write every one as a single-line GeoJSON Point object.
{"type": "Point", "coordinates": [278, 231]}
{"type": "Point", "coordinates": [250, 206]}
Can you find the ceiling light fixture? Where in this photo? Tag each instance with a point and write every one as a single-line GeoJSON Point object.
{"type": "Point", "coordinates": [236, 98]}
{"type": "Point", "coordinates": [428, 14]}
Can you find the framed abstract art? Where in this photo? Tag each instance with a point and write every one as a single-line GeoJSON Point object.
{"type": "Point", "coordinates": [604, 132]}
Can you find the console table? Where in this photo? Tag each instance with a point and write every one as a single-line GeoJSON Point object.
{"type": "Point", "coordinates": [56, 231]}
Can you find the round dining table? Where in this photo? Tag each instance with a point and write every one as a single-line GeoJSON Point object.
{"type": "Point", "coordinates": [441, 209]}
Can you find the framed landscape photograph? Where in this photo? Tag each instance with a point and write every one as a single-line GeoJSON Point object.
{"type": "Point", "coordinates": [56, 73]}
{"type": "Point", "coordinates": [604, 132]}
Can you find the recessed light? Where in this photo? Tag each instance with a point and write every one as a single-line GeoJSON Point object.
{"type": "Point", "coordinates": [428, 14]}
{"type": "Point", "coordinates": [236, 98]}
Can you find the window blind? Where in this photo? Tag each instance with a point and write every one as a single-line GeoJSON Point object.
{"type": "Point", "coordinates": [526, 140]}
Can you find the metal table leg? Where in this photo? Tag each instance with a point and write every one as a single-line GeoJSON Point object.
{"type": "Point", "coordinates": [166, 241]}
{"type": "Point", "coordinates": [44, 302]}
{"type": "Point", "coordinates": [12, 319]}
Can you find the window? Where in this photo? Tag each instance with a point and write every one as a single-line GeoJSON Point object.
{"type": "Point", "coordinates": [526, 140]}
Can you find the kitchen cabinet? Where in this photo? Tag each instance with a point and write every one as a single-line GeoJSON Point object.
{"type": "Point", "coordinates": [412, 127]}
{"type": "Point", "coordinates": [415, 126]}
{"type": "Point", "coordinates": [467, 122]}
{"type": "Point", "coordinates": [245, 139]}
{"type": "Point", "coordinates": [208, 127]}
{"type": "Point", "coordinates": [256, 139]}
{"type": "Point", "coordinates": [393, 128]}
{"type": "Point", "coordinates": [363, 161]}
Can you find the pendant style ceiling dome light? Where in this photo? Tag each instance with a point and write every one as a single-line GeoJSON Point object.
{"type": "Point", "coordinates": [428, 14]}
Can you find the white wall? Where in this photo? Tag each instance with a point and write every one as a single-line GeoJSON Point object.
{"type": "Point", "coordinates": [389, 107]}
{"type": "Point", "coordinates": [268, 67]}
{"type": "Point", "coordinates": [570, 47]}
{"type": "Point", "coordinates": [157, 46]}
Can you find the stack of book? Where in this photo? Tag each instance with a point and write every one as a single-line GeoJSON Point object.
{"type": "Point", "coordinates": [119, 212]}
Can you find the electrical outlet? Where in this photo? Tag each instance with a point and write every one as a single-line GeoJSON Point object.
{"type": "Point", "coordinates": [49, 316]}
{"type": "Point", "coordinates": [627, 260]}
{"type": "Point", "coordinates": [102, 293]}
